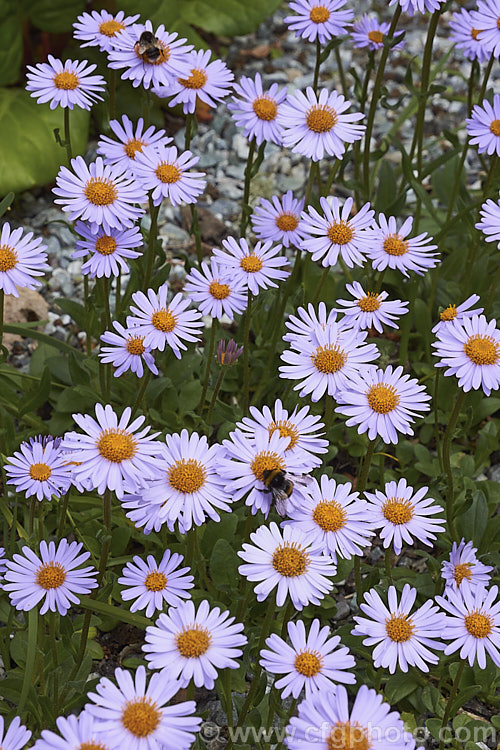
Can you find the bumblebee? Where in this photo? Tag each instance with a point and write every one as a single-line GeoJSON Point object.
{"type": "Point", "coordinates": [148, 47]}
{"type": "Point", "coordinates": [278, 484]}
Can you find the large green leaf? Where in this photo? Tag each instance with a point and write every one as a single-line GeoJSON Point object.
{"type": "Point", "coordinates": [53, 15]}
{"type": "Point", "coordinates": [29, 153]}
{"type": "Point", "coordinates": [11, 42]}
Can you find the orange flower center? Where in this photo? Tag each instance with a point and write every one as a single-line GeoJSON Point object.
{"type": "Point", "coordinates": [187, 475]}
{"type": "Point", "coordinates": [376, 36]}
{"type": "Point", "coordinates": [448, 313]}
{"type": "Point", "coordinates": [287, 222]}
{"type": "Point", "coordinates": [141, 717]}
{"type": "Point", "coordinates": [8, 258]}
{"type": "Point", "coordinates": [100, 191]}
{"type": "Point", "coordinates": [164, 320]}
{"type": "Point", "coordinates": [399, 628]}
{"type": "Point", "coordinates": [105, 245]}
{"type": "Point", "coordinates": [40, 472]}
{"type": "Point", "coordinates": [461, 571]}
{"type": "Point", "coordinates": [251, 263]}
{"type": "Point", "coordinates": [132, 146]}
{"type": "Point", "coordinates": [92, 746]}
{"type": "Point", "coordinates": [347, 736]}
{"type": "Point", "coordinates": [266, 461]}
{"type": "Point", "coordinates": [329, 358]}
{"type": "Point", "coordinates": [398, 511]}
{"type": "Point", "coordinates": [394, 245]}
{"type": "Point", "coordinates": [370, 303]}
{"type": "Point", "coordinates": [321, 118]}
{"type": "Point", "coordinates": [479, 624]}
{"type": "Point", "coordinates": [382, 398]}
{"type": "Point", "coordinates": [495, 127]}
{"type": "Point", "coordinates": [168, 173]}
{"type": "Point", "coordinates": [482, 350]}
{"type": "Point", "coordinates": [330, 515]}
{"type": "Point", "coordinates": [308, 663]}
{"type": "Point", "coordinates": [290, 560]}
{"type": "Point", "coordinates": [67, 81]}
{"type": "Point", "coordinates": [155, 581]}
{"type": "Point", "coordinates": [111, 28]}
{"type": "Point", "coordinates": [319, 14]}
{"type": "Point", "coordinates": [135, 345]}
{"type": "Point", "coordinates": [193, 642]}
{"type": "Point", "coordinates": [51, 575]}
{"type": "Point", "coordinates": [340, 233]}
{"type": "Point", "coordinates": [265, 108]}
{"type": "Point", "coordinates": [475, 33]}
{"type": "Point", "coordinates": [117, 445]}
{"type": "Point", "coordinates": [196, 80]}
{"type": "Point", "coordinates": [285, 429]}
{"type": "Point", "coordinates": [219, 291]}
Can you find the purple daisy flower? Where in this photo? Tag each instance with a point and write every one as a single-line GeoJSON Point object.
{"type": "Point", "coordinates": [257, 111]}
{"type": "Point", "coordinates": [470, 349]}
{"type": "Point", "coordinates": [54, 577]}
{"type": "Point", "coordinates": [458, 312]}
{"type": "Point", "coordinates": [474, 625]}
{"type": "Point", "coordinates": [161, 169]}
{"type": "Point", "coordinates": [279, 220]}
{"type": "Point", "coordinates": [126, 351]}
{"type": "Point", "coordinates": [485, 18]}
{"type": "Point", "coordinates": [16, 736]}
{"type": "Point", "coordinates": [490, 221]}
{"type": "Point", "coordinates": [314, 124]}
{"type": "Point", "coordinates": [209, 82]}
{"type": "Point", "coordinates": [418, 6]}
{"type": "Point", "coordinates": [332, 233]}
{"type": "Point", "coordinates": [463, 565]}
{"type": "Point", "coordinates": [100, 28]}
{"type": "Point", "coordinates": [215, 291]}
{"type": "Point", "coordinates": [465, 36]}
{"type": "Point", "coordinates": [319, 19]}
{"type": "Point", "coordinates": [107, 250]}
{"type": "Point", "coordinates": [164, 324]}
{"type": "Point", "coordinates": [389, 248]}
{"type": "Point", "coordinates": [159, 69]}
{"type": "Point", "coordinates": [194, 645]}
{"type": "Point", "coordinates": [325, 364]}
{"type": "Point", "coordinates": [333, 518]}
{"type": "Point", "coordinates": [401, 639]}
{"type": "Point", "coordinates": [369, 32]}
{"type": "Point", "coordinates": [39, 468]}
{"type": "Point", "coordinates": [130, 141]}
{"type": "Point", "coordinates": [285, 561]}
{"type": "Point", "coordinates": [228, 352]}
{"type": "Point", "coordinates": [153, 585]}
{"type": "Point", "coordinates": [483, 128]}
{"type": "Point", "coordinates": [312, 661]}
{"type": "Point", "coordinates": [110, 453]}
{"type": "Point", "coordinates": [133, 715]}
{"type": "Point", "coordinates": [370, 309]}
{"type": "Point", "coordinates": [256, 268]}
{"type": "Point", "coordinates": [21, 258]}
{"type": "Point", "coordinates": [400, 515]}
{"type": "Point", "coordinates": [65, 84]}
{"type": "Point", "coordinates": [382, 402]}
{"type": "Point", "coordinates": [74, 732]}
{"type": "Point", "coordinates": [324, 722]}
{"type": "Point", "coordinates": [307, 321]}
{"type": "Point", "coordinates": [99, 193]}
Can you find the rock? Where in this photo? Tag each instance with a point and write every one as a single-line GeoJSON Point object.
{"type": "Point", "coordinates": [343, 610]}
{"type": "Point", "coordinates": [212, 229]}
{"type": "Point", "coordinates": [209, 731]}
{"type": "Point", "coordinates": [174, 236]}
{"type": "Point", "coordinates": [494, 473]}
{"type": "Point", "coordinates": [29, 306]}
{"type": "Point", "coordinates": [240, 146]}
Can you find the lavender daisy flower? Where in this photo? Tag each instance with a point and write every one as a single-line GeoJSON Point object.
{"type": "Point", "coordinates": [458, 312]}
{"type": "Point", "coordinates": [193, 645]}
{"type": "Point", "coordinates": [369, 32]}
{"type": "Point", "coordinates": [74, 732]}
{"type": "Point", "coordinates": [470, 349]}
{"type": "Point", "coordinates": [161, 169]}
{"type": "Point", "coordinates": [101, 194]}
{"type": "Point", "coordinates": [318, 19]}
{"type": "Point", "coordinates": [490, 221]}
{"type": "Point", "coordinates": [208, 81]}
{"type": "Point", "coordinates": [402, 515]}
{"type": "Point", "coordinates": [465, 36]}
{"type": "Point", "coordinates": [280, 220]}
{"type": "Point", "coordinates": [332, 233]}
{"type": "Point", "coordinates": [474, 625]}
{"type": "Point", "coordinates": [126, 351]}
{"type": "Point", "coordinates": [228, 352]}
{"type": "Point", "coordinates": [130, 141]}
{"type": "Point", "coordinates": [100, 28]}
{"type": "Point", "coordinates": [314, 124]}
{"type": "Point", "coordinates": [463, 565]}
{"type": "Point", "coordinates": [153, 585]}
{"type": "Point", "coordinates": [110, 453]}
{"type": "Point", "coordinates": [53, 577]}
{"type": "Point", "coordinates": [486, 18]}
{"type": "Point", "coordinates": [133, 715]}
{"type": "Point", "coordinates": [257, 268]}
{"type": "Point", "coordinates": [418, 6]}
{"type": "Point", "coordinates": [257, 111]}
{"type": "Point", "coordinates": [16, 736]}
{"type": "Point", "coordinates": [21, 258]}
{"type": "Point", "coordinates": [401, 639]}
{"type": "Point", "coordinates": [67, 84]}
{"type": "Point", "coordinates": [483, 128]}
{"type": "Point", "coordinates": [370, 309]}
{"type": "Point", "coordinates": [324, 722]}
{"type": "Point", "coordinates": [107, 250]}
{"type": "Point", "coordinates": [333, 518]}
{"type": "Point", "coordinates": [312, 661]}
{"type": "Point", "coordinates": [162, 69]}
{"type": "Point", "coordinates": [325, 364]}
{"type": "Point", "coordinates": [390, 249]}
{"type": "Point", "coordinates": [215, 291]}
{"type": "Point", "coordinates": [285, 561]}
{"type": "Point", "coordinates": [382, 402]}
{"type": "Point", "coordinates": [307, 322]}
{"type": "Point", "coordinates": [164, 324]}
{"type": "Point", "coordinates": [39, 468]}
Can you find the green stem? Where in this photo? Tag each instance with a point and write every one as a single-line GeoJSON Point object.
{"type": "Point", "coordinates": [328, 413]}
{"type": "Point", "coordinates": [118, 293]}
{"type": "Point", "coordinates": [321, 283]}
{"type": "Point", "coordinates": [340, 70]}
{"type": "Point", "coordinates": [360, 487]}
{"type": "Point", "coordinates": [196, 232]}
{"type": "Point", "coordinates": [190, 546]}
{"type": "Point", "coordinates": [448, 435]}
{"type": "Point", "coordinates": [208, 366]}
{"type": "Point", "coordinates": [405, 327]}
{"type": "Point", "coordinates": [67, 135]}
{"type": "Point", "coordinates": [245, 207]}
{"type": "Point", "coordinates": [112, 93]}
{"type": "Point", "coordinates": [55, 661]}
{"type": "Point", "coordinates": [490, 177]}
{"type": "Point", "coordinates": [435, 402]}
{"type": "Point", "coordinates": [62, 520]}
{"type": "Point", "coordinates": [41, 511]}
{"type": "Point", "coordinates": [29, 668]}
{"type": "Point", "coordinates": [215, 394]}
{"type": "Point", "coordinates": [229, 696]}
{"type": "Point", "coordinates": [451, 698]}
{"type": "Point", "coordinates": [2, 305]}
{"type": "Point", "coordinates": [142, 390]}
{"type": "Point", "coordinates": [292, 708]}
{"type": "Point", "coordinates": [246, 365]}
{"type": "Point", "coordinates": [310, 183]}
{"type": "Point", "coordinates": [317, 65]}
{"type": "Point", "coordinates": [388, 566]}
{"type": "Point", "coordinates": [88, 342]}
{"type": "Point", "coordinates": [107, 308]}
{"type": "Point", "coordinates": [153, 231]}
{"type": "Point", "coordinates": [492, 293]}
{"type": "Point", "coordinates": [487, 73]}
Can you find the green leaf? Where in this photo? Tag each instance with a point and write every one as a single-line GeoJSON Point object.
{"type": "Point", "coordinates": [25, 332]}
{"type": "Point", "coordinates": [472, 524]}
{"type": "Point", "coordinates": [224, 564]}
{"type": "Point", "coordinates": [399, 686]}
{"type": "Point", "coordinates": [38, 396]}
{"type": "Point", "coordinates": [11, 42]}
{"type": "Point", "coordinates": [387, 186]}
{"type": "Point", "coordinates": [122, 615]}
{"type": "Point", "coordinates": [6, 202]}
{"type": "Point", "coordinates": [55, 16]}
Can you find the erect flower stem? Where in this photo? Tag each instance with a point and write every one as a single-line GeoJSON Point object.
{"type": "Point", "coordinates": [190, 545]}
{"type": "Point", "coordinates": [29, 667]}
{"type": "Point", "coordinates": [448, 435]}
{"type": "Point", "coordinates": [208, 366]}
{"type": "Point", "coordinates": [317, 66]}
{"type": "Point", "coordinates": [112, 93]}
{"type": "Point", "coordinates": [195, 224]}
{"type": "Point", "coordinates": [340, 70]}
{"type": "Point", "coordinates": [153, 232]}
{"type": "Point", "coordinates": [63, 511]}
{"type": "Point", "coordinates": [435, 402]}
{"type": "Point", "coordinates": [55, 661]}
{"type": "Point", "coordinates": [142, 390]}
{"type": "Point", "coordinates": [360, 487]}
{"type": "Point", "coordinates": [451, 698]}
{"type": "Point", "coordinates": [290, 712]}
{"type": "Point", "coordinates": [328, 416]}
{"type": "Point", "coordinates": [229, 696]}
{"type": "Point", "coordinates": [2, 305]}
{"type": "Point", "coordinates": [245, 206]}
{"type": "Point", "coordinates": [486, 78]}
{"type": "Point", "coordinates": [246, 344]}
{"type": "Point", "coordinates": [388, 566]}
{"type": "Point", "coordinates": [67, 135]}
{"type": "Point", "coordinates": [218, 384]}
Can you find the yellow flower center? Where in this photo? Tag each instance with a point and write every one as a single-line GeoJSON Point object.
{"type": "Point", "coordinates": [461, 571]}
{"type": "Point", "coordinates": [285, 429]}
{"type": "Point", "coordinates": [105, 245]}
{"type": "Point", "coordinates": [321, 118]}
{"type": "Point", "coordinates": [67, 81]}
{"type": "Point", "coordinates": [8, 258]}
{"type": "Point", "coordinates": [479, 624]}
{"type": "Point", "coordinates": [340, 233]}
{"type": "Point", "coordinates": [399, 628]}
{"type": "Point", "coordinates": [50, 575]}
{"type": "Point", "coordinates": [219, 291]}
{"type": "Point", "coordinates": [482, 350]}
{"type": "Point", "coordinates": [290, 560]}
{"type": "Point", "coordinates": [329, 358]}
{"type": "Point", "coordinates": [287, 222]}
{"type": "Point", "coordinates": [308, 663]}
{"type": "Point", "coordinates": [92, 746]}
{"type": "Point", "coordinates": [475, 33]}
{"type": "Point", "coordinates": [132, 146]}
{"type": "Point", "coordinates": [196, 80]}
{"type": "Point", "coordinates": [111, 28]}
{"type": "Point", "coordinates": [187, 475]}
{"type": "Point", "coordinates": [498, 23]}
{"type": "Point", "coordinates": [398, 511]}
{"type": "Point", "coordinates": [40, 472]}
{"type": "Point", "coordinates": [162, 57]}
{"type": "Point", "coordinates": [251, 263]}
{"type": "Point", "coordinates": [330, 515]}
{"type": "Point", "coordinates": [495, 127]}
{"type": "Point", "coordinates": [116, 445]}
{"type": "Point", "coordinates": [394, 245]}
{"type": "Point", "coordinates": [168, 173]}
{"type": "Point", "coordinates": [141, 717]}
{"type": "Point", "coordinates": [376, 36]}
{"type": "Point", "coordinates": [100, 191]}
{"type": "Point", "coordinates": [382, 398]}
{"type": "Point", "coordinates": [265, 108]}
{"type": "Point", "coordinates": [135, 345]}
{"type": "Point", "coordinates": [347, 736]}
{"type": "Point", "coordinates": [164, 320]}
{"type": "Point", "coordinates": [370, 303]}
{"type": "Point", "coordinates": [319, 14]}
{"type": "Point", "coordinates": [449, 313]}
{"type": "Point", "coordinates": [193, 642]}
{"type": "Point", "coordinates": [266, 461]}
{"type": "Point", "coordinates": [155, 581]}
